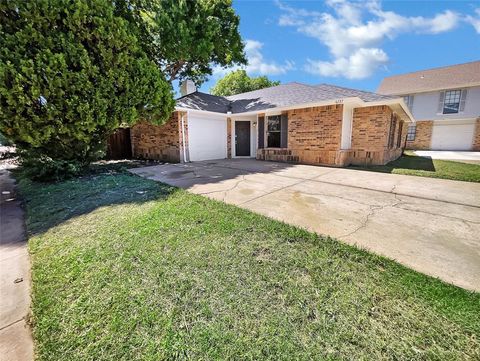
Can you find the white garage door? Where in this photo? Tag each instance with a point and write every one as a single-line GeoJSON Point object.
{"type": "Point", "coordinates": [456, 135]}
{"type": "Point", "coordinates": [207, 137]}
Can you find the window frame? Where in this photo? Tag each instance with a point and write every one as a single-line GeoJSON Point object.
{"type": "Point", "coordinates": [410, 132]}
{"type": "Point", "coordinates": [458, 92]}
{"type": "Point", "coordinates": [277, 117]}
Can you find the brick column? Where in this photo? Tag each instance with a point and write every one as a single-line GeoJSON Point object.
{"type": "Point", "coordinates": [476, 136]}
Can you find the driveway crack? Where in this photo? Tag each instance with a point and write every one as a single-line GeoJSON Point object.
{"type": "Point", "coordinates": [373, 210]}
{"type": "Point", "coordinates": [225, 191]}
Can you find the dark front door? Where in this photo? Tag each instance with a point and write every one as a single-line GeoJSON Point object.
{"type": "Point", "coordinates": [242, 139]}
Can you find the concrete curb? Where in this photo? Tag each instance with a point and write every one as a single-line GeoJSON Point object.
{"type": "Point", "coordinates": [16, 343]}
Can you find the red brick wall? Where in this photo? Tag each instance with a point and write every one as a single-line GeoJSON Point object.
{"type": "Point", "coordinates": [370, 136]}
{"type": "Point", "coordinates": [423, 136]}
{"type": "Point", "coordinates": [313, 136]}
{"type": "Point", "coordinates": [317, 128]}
{"type": "Point", "coordinates": [370, 128]}
{"type": "Point", "coordinates": [161, 142]}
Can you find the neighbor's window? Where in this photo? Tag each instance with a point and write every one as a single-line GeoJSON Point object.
{"type": "Point", "coordinates": [409, 101]}
{"type": "Point", "coordinates": [411, 132]}
{"type": "Point", "coordinates": [273, 131]}
{"type": "Point", "coordinates": [451, 104]}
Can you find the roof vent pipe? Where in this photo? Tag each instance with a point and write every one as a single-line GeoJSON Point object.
{"type": "Point", "coordinates": [187, 87]}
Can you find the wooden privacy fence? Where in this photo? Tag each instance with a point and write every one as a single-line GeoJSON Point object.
{"type": "Point", "coordinates": [119, 145]}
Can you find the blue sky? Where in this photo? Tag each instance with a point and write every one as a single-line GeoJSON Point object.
{"type": "Point", "coordinates": [354, 44]}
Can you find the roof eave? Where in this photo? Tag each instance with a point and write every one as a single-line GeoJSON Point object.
{"type": "Point", "coordinates": [355, 101]}
{"type": "Point", "coordinates": [392, 102]}
{"type": "Point", "coordinates": [428, 90]}
{"type": "Point", "coordinates": [192, 110]}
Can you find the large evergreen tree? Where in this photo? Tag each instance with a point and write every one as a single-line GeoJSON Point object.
{"type": "Point", "coordinates": [70, 73]}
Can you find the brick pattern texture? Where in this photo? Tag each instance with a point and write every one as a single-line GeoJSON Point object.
{"type": "Point", "coordinates": [314, 136]}
{"type": "Point", "coordinates": [423, 136]}
{"type": "Point", "coordinates": [370, 136]}
{"type": "Point", "coordinates": [160, 142]}
{"type": "Point", "coordinates": [476, 136]}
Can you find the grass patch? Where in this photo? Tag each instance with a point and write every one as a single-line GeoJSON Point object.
{"type": "Point", "coordinates": [411, 164]}
{"type": "Point", "coordinates": [128, 269]}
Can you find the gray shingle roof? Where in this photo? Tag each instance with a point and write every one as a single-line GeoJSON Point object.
{"type": "Point", "coordinates": [284, 95]}
{"type": "Point", "coordinates": [461, 75]}
{"type": "Point", "coordinates": [204, 101]}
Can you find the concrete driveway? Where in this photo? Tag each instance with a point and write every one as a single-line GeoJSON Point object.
{"type": "Point", "coordinates": [458, 156]}
{"type": "Point", "coordinates": [430, 225]}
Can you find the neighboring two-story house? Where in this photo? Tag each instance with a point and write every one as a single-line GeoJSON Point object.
{"type": "Point", "coordinates": [445, 103]}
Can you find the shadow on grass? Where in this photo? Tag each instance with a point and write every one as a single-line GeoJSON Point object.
{"type": "Point", "coordinates": [107, 183]}
{"type": "Point", "coordinates": [406, 161]}
{"type": "Point", "coordinates": [50, 204]}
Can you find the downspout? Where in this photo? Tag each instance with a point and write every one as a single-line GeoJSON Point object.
{"type": "Point", "coordinates": [183, 138]}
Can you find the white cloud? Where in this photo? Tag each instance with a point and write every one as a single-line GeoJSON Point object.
{"type": "Point", "coordinates": [359, 65]}
{"type": "Point", "coordinates": [256, 62]}
{"type": "Point", "coordinates": [474, 21]}
{"type": "Point", "coordinates": [355, 42]}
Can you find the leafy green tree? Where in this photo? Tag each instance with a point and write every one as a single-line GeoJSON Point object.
{"type": "Point", "coordinates": [184, 37]}
{"type": "Point", "coordinates": [70, 73]}
{"type": "Point", "coordinates": [239, 82]}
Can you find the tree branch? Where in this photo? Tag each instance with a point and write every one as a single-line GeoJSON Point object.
{"type": "Point", "coordinates": [173, 69]}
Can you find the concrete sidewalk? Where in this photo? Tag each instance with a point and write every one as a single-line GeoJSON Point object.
{"type": "Point", "coordinates": [16, 342]}
{"type": "Point", "coordinates": [430, 225]}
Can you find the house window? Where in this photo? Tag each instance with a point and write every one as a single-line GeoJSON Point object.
{"type": "Point", "coordinates": [411, 132]}
{"type": "Point", "coordinates": [274, 127]}
{"type": "Point", "coordinates": [451, 103]}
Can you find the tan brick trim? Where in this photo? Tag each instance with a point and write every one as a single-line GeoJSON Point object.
{"type": "Point", "coordinates": [476, 136]}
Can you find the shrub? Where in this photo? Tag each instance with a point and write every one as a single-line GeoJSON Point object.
{"type": "Point", "coordinates": [70, 73]}
{"type": "Point", "coordinates": [45, 169]}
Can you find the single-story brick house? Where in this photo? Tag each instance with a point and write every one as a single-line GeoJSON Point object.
{"type": "Point", "coordinates": [298, 123]}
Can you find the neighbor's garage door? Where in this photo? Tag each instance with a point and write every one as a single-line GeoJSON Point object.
{"type": "Point", "coordinates": [454, 135]}
{"type": "Point", "coordinates": [207, 137]}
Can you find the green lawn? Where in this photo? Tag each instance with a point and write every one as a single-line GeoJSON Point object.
{"type": "Point", "coordinates": [411, 164]}
{"type": "Point", "coordinates": [128, 269]}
